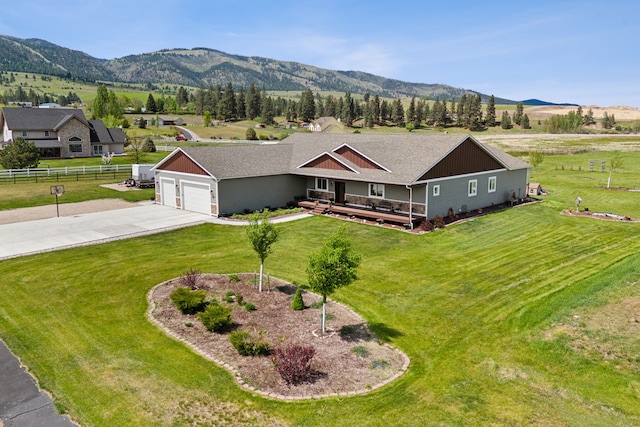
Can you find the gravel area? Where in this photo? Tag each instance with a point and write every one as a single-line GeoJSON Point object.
{"type": "Point", "coordinates": [66, 209]}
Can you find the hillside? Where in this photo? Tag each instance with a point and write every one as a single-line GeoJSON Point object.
{"type": "Point", "coordinates": [193, 67]}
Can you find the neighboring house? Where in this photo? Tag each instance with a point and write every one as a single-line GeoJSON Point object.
{"type": "Point", "coordinates": [420, 176]}
{"type": "Point", "coordinates": [321, 124]}
{"type": "Point", "coordinates": [60, 132]}
{"type": "Point", "coordinates": [169, 121]}
{"type": "Point", "coordinates": [50, 105]}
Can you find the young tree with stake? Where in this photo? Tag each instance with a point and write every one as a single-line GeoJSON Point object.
{"type": "Point", "coordinates": [332, 267]}
{"type": "Point", "coordinates": [262, 234]}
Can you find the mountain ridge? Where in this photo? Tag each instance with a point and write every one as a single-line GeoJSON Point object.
{"type": "Point", "coordinates": [206, 66]}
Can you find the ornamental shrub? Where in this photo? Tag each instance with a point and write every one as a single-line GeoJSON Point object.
{"type": "Point", "coordinates": [216, 318]}
{"type": "Point", "coordinates": [248, 345]}
{"type": "Point", "coordinates": [293, 363]}
{"type": "Point", "coordinates": [249, 306]}
{"type": "Point", "coordinates": [298, 302]}
{"type": "Point", "coordinates": [190, 278]}
{"type": "Point", "coordinates": [188, 301]}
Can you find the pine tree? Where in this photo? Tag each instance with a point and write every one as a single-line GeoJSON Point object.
{"type": "Point", "coordinates": [151, 104]}
{"type": "Point", "coordinates": [517, 116]}
{"type": "Point", "coordinates": [348, 110]}
{"type": "Point", "coordinates": [253, 102]}
{"type": "Point", "coordinates": [241, 106]}
{"type": "Point", "coordinates": [397, 113]}
{"type": "Point", "coordinates": [506, 121]}
{"type": "Point", "coordinates": [307, 106]}
{"type": "Point", "coordinates": [525, 122]}
{"type": "Point", "coordinates": [227, 104]}
{"type": "Point", "coordinates": [490, 116]}
{"type": "Point", "coordinates": [411, 112]}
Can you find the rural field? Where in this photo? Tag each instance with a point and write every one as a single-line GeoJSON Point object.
{"type": "Point", "coordinates": [522, 317]}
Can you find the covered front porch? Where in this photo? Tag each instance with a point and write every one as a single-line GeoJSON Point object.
{"type": "Point", "coordinates": [379, 216]}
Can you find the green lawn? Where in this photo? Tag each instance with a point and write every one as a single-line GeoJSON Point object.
{"type": "Point", "coordinates": [476, 307]}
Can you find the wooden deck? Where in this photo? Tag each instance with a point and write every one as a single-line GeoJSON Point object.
{"type": "Point", "coordinates": [376, 215]}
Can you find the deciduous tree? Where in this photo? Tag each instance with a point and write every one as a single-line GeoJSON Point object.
{"type": "Point", "coordinates": [332, 267]}
{"type": "Point", "coordinates": [262, 234]}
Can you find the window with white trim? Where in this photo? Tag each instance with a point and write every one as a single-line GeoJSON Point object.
{"type": "Point", "coordinates": [472, 188]}
{"type": "Point", "coordinates": [75, 148]}
{"type": "Point", "coordinates": [322, 184]}
{"type": "Point", "coordinates": [492, 184]}
{"type": "Point", "coordinates": [436, 190]}
{"type": "Point", "coordinates": [25, 133]}
{"type": "Point", "coordinates": [376, 190]}
{"type": "Point", "coordinates": [46, 133]}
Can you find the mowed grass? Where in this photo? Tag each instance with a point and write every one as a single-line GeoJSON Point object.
{"type": "Point", "coordinates": [470, 306]}
{"type": "Point", "coordinates": [24, 195]}
{"type": "Point", "coordinates": [475, 306]}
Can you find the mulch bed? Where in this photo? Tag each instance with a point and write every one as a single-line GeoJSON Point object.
{"type": "Point", "coordinates": [349, 358]}
{"type": "Point", "coordinates": [599, 215]}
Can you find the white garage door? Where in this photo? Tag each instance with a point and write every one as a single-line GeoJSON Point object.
{"type": "Point", "coordinates": [196, 198]}
{"type": "Point", "coordinates": [168, 193]}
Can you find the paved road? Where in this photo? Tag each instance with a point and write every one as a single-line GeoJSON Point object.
{"type": "Point", "coordinates": [22, 403]}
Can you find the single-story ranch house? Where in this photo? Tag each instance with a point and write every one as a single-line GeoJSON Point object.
{"type": "Point", "coordinates": [60, 132]}
{"type": "Point", "coordinates": [413, 176]}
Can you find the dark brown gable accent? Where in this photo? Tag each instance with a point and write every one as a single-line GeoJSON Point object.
{"type": "Point", "coordinates": [465, 158]}
{"type": "Point", "coordinates": [356, 158]}
{"type": "Point", "coordinates": [181, 163]}
{"type": "Point", "coordinates": [326, 162]}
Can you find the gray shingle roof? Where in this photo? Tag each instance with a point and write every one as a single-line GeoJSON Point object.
{"type": "Point", "coordinates": [405, 157]}
{"type": "Point", "coordinates": [242, 161]}
{"type": "Point", "coordinates": [40, 118]}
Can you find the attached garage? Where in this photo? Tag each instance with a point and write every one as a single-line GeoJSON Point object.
{"type": "Point", "coordinates": [196, 197]}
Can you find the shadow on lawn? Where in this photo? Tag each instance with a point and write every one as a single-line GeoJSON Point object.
{"type": "Point", "coordinates": [362, 331]}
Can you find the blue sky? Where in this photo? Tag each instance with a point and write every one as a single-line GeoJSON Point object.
{"type": "Point", "coordinates": [583, 52]}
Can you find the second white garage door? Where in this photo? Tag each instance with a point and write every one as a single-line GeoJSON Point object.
{"type": "Point", "coordinates": [196, 198]}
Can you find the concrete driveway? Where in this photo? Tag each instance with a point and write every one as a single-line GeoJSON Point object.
{"type": "Point", "coordinates": [51, 234]}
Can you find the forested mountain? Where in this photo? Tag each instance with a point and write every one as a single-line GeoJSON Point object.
{"type": "Point", "coordinates": [203, 66]}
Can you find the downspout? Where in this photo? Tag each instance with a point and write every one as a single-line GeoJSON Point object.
{"type": "Point", "coordinates": [216, 181]}
{"type": "Point", "coordinates": [408, 187]}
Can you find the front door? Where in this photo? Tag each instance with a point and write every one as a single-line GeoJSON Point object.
{"type": "Point", "coordinates": [340, 192]}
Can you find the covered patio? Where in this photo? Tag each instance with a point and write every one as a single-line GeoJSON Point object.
{"type": "Point", "coordinates": [370, 214]}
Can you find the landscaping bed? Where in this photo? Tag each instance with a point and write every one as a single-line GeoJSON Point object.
{"type": "Point", "coordinates": [349, 359]}
{"type": "Point", "coordinates": [599, 215]}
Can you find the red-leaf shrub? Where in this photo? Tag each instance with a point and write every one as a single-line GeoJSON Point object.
{"type": "Point", "coordinates": [293, 363]}
{"type": "Point", "coordinates": [190, 278]}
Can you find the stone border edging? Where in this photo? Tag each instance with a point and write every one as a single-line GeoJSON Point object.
{"type": "Point", "coordinates": [271, 395]}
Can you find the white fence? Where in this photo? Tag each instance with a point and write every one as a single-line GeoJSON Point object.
{"type": "Point", "coordinates": [71, 170]}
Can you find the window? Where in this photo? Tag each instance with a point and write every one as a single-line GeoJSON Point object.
{"type": "Point", "coordinates": [75, 139]}
{"type": "Point", "coordinates": [25, 133]}
{"type": "Point", "coordinates": [472, 188]}
{"type": "Point", "coordinates": [46, 133]}
{"type": "Point", "coordinates": [322, 184]}
{"type": "Point", "coordinates": [492, 184]}
{"type": "Point", "coordinates": [75, 148]}
{"type": "Point", "coordinates": [436, 190]}
{"type": "Point", "coordinates": [97, 150]}
{"type": "Point", "coordinates": [376, 190]}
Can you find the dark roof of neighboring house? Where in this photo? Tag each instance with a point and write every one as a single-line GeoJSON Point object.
{"type": "Point", "coordinates": [396, 159]}
{"type": "Point", "coordinates": [100, 133]}
{"type": "Point", "coordinates": [40, 118]}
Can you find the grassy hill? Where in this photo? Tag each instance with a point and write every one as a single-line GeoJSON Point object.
{"type": "Point", "coordinates": [193, 67]}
